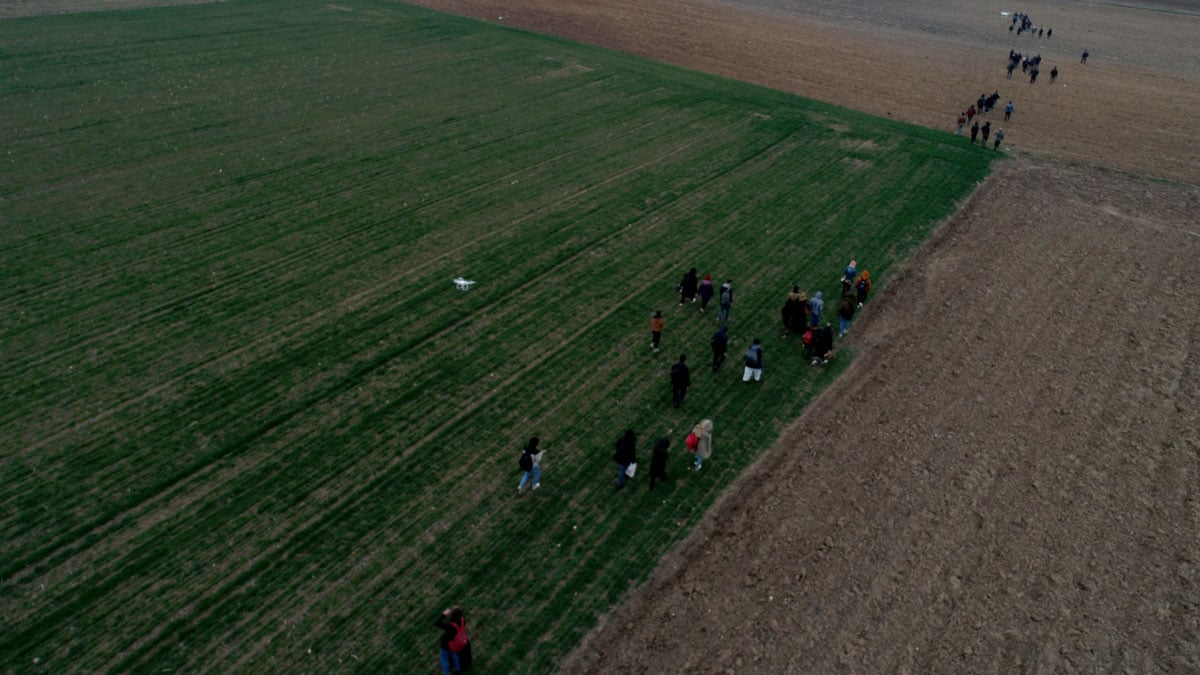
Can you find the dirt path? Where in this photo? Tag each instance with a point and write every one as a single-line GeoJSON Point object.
{"type": "Point", "coordinates": [1007, 478]}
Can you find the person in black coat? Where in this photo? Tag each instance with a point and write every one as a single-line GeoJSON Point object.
{"type": "Point", "coordinates": [658, 461]}
{"type": "Point", "coordinates": [822, 346]}
{"type": "Point", "coordinates": [687, 287]}
{"type": "Point", "coordinates": [451, 622]}
{"type": "Point", "coordinates": [625, 455]}
{"type": "Point", "coordinates": [681, 379]}
{"type": "Point", "coordinates": [720, 345]}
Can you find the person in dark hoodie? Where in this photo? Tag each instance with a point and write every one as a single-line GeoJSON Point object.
{"type": "Point", "coordinates": [815, 306]}
{"type": "Point", "coordinates": [625, 455]}
{"type": "Point", "coordinates": [754, 362]}
{"type": "Point", "coordinates": [720, 345]}
{"type": "Point", "coordinates": [454, 652]}
{"type": "Point", "coordinates": [725, 302]}
{"type": "Point", "coordinates": [822, 346]}
{"type": "Point", "coordinates": [688, 287]}
{"type": "Point", "coordinates": [658, 461]}
{"type": "Point", "coordinates": [846, 309]}
{"type": "Point", "coordinates": [794, 312]}
{"type": "Point", "coordinates": [681, 379]}
{"type": "Point", "coordinates": [706, 291]}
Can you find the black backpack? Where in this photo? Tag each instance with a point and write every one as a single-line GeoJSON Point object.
{"type": "Point", "coordinates": [526, 461]}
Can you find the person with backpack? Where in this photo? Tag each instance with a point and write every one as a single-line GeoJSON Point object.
{"type": "Point", "coordinates": [700, 442]}
{"type": "Point", "coordinates": [454, 645]}
{"type": "Point", "coordinates": [720, 345]}
{"type": "Point", "coordinates": [687, 287]}
{"type": "Point", "coordinates": [625, 456]}
{"type": "Point", "coordinates": [862, 287]}
{"type": "Point", "coordinates": [706, 291]}
{"type": "Point", "coordinates": [815, 306]}
{"type": "Point", "coordinates": [658, 461]}
{"type": "Point", "coordinates": [822, 346]}
{"type": "Point", "coordinates": [754, 361]}
{"type": "Point", "coordinates": [794, 313]}
{"type": "Point", "coordinates": [681, 379]}
{"type": "Point", "coordinates": [657, 323]}
{"type": "Point", "coordinates": [531, 463]}
{"type": "Point", "coordinates": [848, 275]}
{"type": "Point", "coordinates": [846, 312]}
{"type": "Point", "coordinates": [725, 300]}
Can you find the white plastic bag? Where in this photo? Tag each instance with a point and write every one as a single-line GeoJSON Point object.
{"type": "Point", "coordinates": [631, 469]}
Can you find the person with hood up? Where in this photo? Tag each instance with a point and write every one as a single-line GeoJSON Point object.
{"type": "Point", "coordinates": [862, 287]}
{"type": "Point", "coordinates": [706, 291]}
{"type": "Point", "coordinates": [658, 461]}
{"type": "Point", "coordinates": [703, 431]}
{"type": "Point", "coordinates": [815, 306]}
{"type": "Point", "coordinates": [846, 312]}
{"type": "Point", "coordinates": [725, 300]}
{"type": "Point", "coordinates": [688, 287]}
{"type": "Point", "coordinates": [754, 362]}
{"type": "Point", "coordinates": [625, 455]}
{"type": "Point", "coordinates": [531, 464]}
{"type": "Point", "coordinates": [681, 379]}
{"type": "Point", "coordinates": [720, 345]}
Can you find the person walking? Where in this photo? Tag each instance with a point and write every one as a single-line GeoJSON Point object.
{"type": "Point", "coordinates": [970, 112]}
{"type": "Point", "coordinates": [720, 344]}
{"type": "Point", "coordinates": [985, 132]}
{"type": "Point", "coordinates": [848, 275]}
{"type": "Point", "coordinates": [962, 119]}
{"type": "Point", "coordinates": [754, 362]}
{"type": "Point", "coordinates": [862, 287]}
{"type": "Point", "coordinates": [725, 300]}
{"type": "Point", "coordinates": [657, 323]}
{"type": "Point", "coordinates": [625, 456]}
{"type": "Point", "coordinates": [999, 137]}
{"type": "Point", "coordinates": [688, 287]}
{"type": "Point", "coordinates": [681, 379]}
{"type": "Point", "coordinates": [815, 306]}
{"type": "Point", "coordinates": [846, 312]}
{"type": "Point", "coordinates": [974, 132]}
{"type": "Point", "coordinates": [531, 464]}
{"type": "Point", "coordinates": [1033, 75]}
{"type": "Point", "coordinates": [1049, 33]}
{"type": "Point", "coordinates": [658, 461]}
{"type": "Point", "coordinates": [1012, 65]}
{"type": "Point", "coordinates": [1083, 59]}
{"type": "Point", "coordinates": [703, 433]}
{"type": "Point", "coordinates": [454, 646]}
{"type": "Point", "coordinates": [1053, 74]}
{"type": "Point", "coordinates": [706, 291]}
{"type": "Point", "coordinates": [793, 312]}
{"type": "Point", "coordinates": [1008, 110]}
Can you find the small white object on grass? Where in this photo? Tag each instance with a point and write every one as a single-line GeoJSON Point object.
{"type": "Point", "coordinates": [463, 284]}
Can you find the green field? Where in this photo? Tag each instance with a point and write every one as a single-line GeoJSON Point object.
{"type": "Point", "coordinates": [249, 423]}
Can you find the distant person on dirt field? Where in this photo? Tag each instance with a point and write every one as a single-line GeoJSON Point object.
{"type": "Point", "coordinates": [1053, 74]}
{"type": "Point", "coordinates": [720, 344]}
{"type": "Point", "coordinates": [1033, 75]}
{"type": "Point", "coordinates": [725, 300]}
{"type": "Point", "coordinates": [981, 103]}
{"type": "Point", "coordinates": [1083, 59]}
{"type": "Point", "coordinates": [846, 309]}
{"type": "Point", "coordinates": [658, 460]}
{"type": "Point", "coordinates": [816, 305]}
{"type": "Point", "coordinates": [999, 137]}
{"type": "Point", "coordinates": [531, 464]}
{"type": "Point", "coordinates": [974, 132]}
{"type": "Point", "coordinates": [703, 433]}
{"type": "Point", "coordinates": [970, 113]}
{"type": "Point", "coordinates": [1049, 32]}
{"type": "Point", "coordinates": [706, 291]}
{"type": "Point", "coordinates": [1011, 67]}
{"type": "Point", "coordinates": [455, 645]}
{"type": "Point", "coordinates": [985, 132]}
{"type": "Point", "coordinates": [754, 362]}
{"type": "Point", "coordinates": [962, 119]}
{"type": "Point", "coordinates": [681, 379]}
{"type": "Point", "coordinates": [862, 287]}
{"type": "Point", "coordinates": [625, 455]}
{"type": "Point", "coordinates": [822, 346]}
{"type": "Point", "coordinates": [687, 287]}
{"type": "Point", "coordinates": [1008, 110]}
{"type": "Point", "coordinates": [657, 323]}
